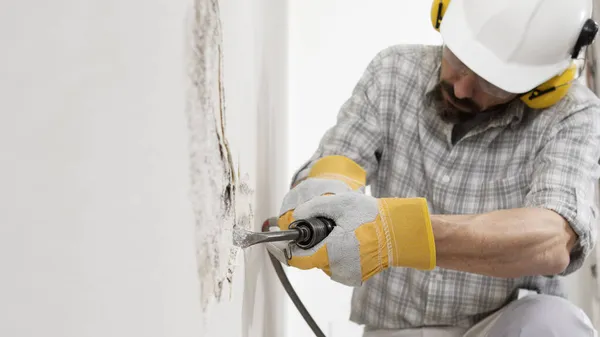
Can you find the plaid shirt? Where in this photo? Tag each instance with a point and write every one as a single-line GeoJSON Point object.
{"type": "Point", "coordinates": [520, 158]}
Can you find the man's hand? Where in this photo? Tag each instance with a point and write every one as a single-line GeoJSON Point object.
{"type": "Point", "coordinates": [305, 191]}
{"type": "Point", "coordinates": [329, 175]}
{"type": "Point", "coordinates": [301, 193]}
{"type": "Point", "coordinates": [370, 235]}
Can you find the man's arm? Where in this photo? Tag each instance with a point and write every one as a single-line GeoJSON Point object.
{"type": "Point", "coordinates": [504, 243]}
{"type": "Point", "coordinates": [357, 133]}
{"type": "Point", "coordinates": [554, 231]}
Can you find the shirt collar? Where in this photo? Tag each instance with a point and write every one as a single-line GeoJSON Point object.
{"type": "Point", "coordinates": [513, 114]}
{"type": "Point", "coordinates": [434, 77]}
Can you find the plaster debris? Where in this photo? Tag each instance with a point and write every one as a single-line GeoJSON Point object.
{"type": "Point", "coordinates": [221, 200]}
{"type": "Point", "coordinates": [240, 237]}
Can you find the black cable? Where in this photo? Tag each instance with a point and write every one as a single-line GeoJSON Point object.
{"type": "Point", "coordinates": [294, 297]}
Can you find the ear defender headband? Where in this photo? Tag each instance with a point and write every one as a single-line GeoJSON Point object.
{"type": "Point", "coordinates": [553, 90]}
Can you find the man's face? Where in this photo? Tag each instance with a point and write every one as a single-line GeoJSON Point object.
{"type": "Point", "coordinates": [463, 93]}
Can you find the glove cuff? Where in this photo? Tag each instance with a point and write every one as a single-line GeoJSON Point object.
{"type": "Point", "coordinates": [406, 225]}
{"type": "Point", "coordinates": [340, 168]}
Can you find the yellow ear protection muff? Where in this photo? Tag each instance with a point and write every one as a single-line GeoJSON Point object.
{"type": "Point", "coordinates": [438, 9]}
{"type": "Point", "coordinates": [553, 90]}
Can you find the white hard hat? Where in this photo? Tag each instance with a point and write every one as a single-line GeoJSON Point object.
{"type": "Point", "coordinates": [515, 44]}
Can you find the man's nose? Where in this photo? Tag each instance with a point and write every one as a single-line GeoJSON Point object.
{"type": "Point", "coordinates": [465, 85]}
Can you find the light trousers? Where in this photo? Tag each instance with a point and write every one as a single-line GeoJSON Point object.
{"type": "Point", "coordinates": [529, 316]}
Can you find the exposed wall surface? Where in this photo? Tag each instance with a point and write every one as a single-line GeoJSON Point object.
{"type": "Point", "coordinates": [243, 136]}
{"type": "Point", "coordinates": [102, 210]}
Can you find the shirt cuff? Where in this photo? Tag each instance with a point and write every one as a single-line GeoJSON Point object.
{"type": "Point", "coordinates": [576, 205]}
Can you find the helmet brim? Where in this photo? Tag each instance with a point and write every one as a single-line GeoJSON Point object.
{"type": "Point", "coordinates": [511, 77]}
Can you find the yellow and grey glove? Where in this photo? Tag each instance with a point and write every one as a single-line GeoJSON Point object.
{"type": "Point", "coordinates": [328, 175]}
{"type": "Point", "coordinates": [370, 236]}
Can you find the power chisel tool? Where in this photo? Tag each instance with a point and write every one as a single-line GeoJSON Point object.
{"type": "Point", "coordinates": [305, 233]}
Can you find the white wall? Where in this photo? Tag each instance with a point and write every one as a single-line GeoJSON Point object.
{"type": "Point", "coordinates": [96, 225]}
{"type": "Point", "coordinates": [331, 43]}
{"type": "Point", "coordinates": [94, 219]}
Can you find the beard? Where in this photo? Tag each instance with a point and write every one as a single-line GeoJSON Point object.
{"type": "Point", "coordinates": [448, 108]}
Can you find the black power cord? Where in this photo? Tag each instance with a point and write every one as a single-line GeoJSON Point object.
{"type": "Point", "coordinates": [294, 297]}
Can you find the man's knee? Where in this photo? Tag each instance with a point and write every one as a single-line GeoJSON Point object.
{"type": "Point", "coordinates": [542, 315]}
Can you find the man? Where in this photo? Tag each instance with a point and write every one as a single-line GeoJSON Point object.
{"type": "Point", "coordinates": [482, 155]}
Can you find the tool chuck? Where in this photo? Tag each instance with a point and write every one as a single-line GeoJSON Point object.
{"type": "Point", "coordinates": [312, 231]}
{"type": "Point", "coordinates": [305, 233]}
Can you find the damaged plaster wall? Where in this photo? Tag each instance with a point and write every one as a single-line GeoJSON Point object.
{"type": "Point", "coordinates": [104, 185]}
{"type": "Point", "coordinates": [220, 200]}
{"type": "Point", "coordinates": [236, 115]}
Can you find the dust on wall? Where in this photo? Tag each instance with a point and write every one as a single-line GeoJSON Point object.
{"type": "Point", "coordinates": [221, 200]}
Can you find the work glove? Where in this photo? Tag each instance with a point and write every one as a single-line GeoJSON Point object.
{"type": "Point", "coordinates": [371, 235]}
{"type": "Point", "coordinates": [329, 175]}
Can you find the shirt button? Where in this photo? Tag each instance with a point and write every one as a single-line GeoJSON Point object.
{"type": "Point", "coordinates": [446, 179]}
